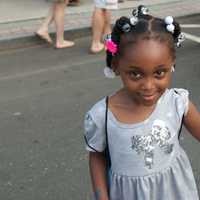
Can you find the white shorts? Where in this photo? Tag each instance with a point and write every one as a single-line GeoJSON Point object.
{"type": "Point", "coordinates": [106, 5]}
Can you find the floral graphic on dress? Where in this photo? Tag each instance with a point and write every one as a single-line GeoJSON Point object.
{"type": "Point", "coordinates": [145, 144]}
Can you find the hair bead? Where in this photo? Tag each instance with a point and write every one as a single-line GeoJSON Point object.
{"type": "Point", "coordinates": [169, 20]}
{"type": "Point", "coordinates": [180, 39]}
{"type": "Point", "coordinates": [133, 20]}
{"type": "Point", "coordinates": [143, 10]}
{"type": "Point", "coordinates": [109, 73]}
{"type": "Point", "coordinates": [126, 28]}
{"type": "Point", "coordinates": [170, 28]}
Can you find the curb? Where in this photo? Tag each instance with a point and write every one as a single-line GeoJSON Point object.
{"type": "Point", "coordinates": [24, 40]}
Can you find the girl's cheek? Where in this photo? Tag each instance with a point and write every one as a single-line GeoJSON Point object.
{"type": "Point", "coordinates": [164, 83]}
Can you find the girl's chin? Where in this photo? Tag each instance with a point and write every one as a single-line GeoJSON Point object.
{"type": "Point", "coordinates": [149, 103]}
{"type": "Point", "coordinates": [149, 100]}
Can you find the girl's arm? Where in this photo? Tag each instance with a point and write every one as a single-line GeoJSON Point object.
{"type": "Point", "coordinates": [97, 165]}
{"type": "Point", "coordinates": [192, 121]}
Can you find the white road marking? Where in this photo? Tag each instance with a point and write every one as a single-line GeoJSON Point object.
{"type": "Point", "coordinates": [192, 37]}
{"type": "Point", "coordinates": [17, 113]}
{"type": "Point", "coordinates": [190, 25]}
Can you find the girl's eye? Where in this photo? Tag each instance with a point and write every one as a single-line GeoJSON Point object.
{"type": "Point", "coordinates": [160, 73]}
{"type": "Point", "coordinates": [135, 75]}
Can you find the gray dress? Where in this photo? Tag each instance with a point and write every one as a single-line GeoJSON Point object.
{"type": "Point", "coordinates": [147, 161]}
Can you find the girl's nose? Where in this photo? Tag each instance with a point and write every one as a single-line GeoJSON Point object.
{"type": "Point", "coordinates": [148, 84]}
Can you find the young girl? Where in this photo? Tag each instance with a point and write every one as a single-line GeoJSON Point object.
{"type": "Point", "coordinates": [140, 123]}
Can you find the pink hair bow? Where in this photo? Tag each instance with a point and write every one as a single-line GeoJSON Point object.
{"type": "Point", "coordinates": [111, 46]}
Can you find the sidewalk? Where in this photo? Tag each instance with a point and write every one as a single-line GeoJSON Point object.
{"type": "Point", "coordinates": [24, 17]}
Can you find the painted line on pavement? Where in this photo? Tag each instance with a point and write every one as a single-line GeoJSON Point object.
{"type": "Point", "coordinates": [190, 25]}
{"type": "Point", "coordinates": [192, 37]}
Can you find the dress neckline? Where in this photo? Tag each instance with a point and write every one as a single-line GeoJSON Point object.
{"type": "Point", "coordinates": [112, 117]}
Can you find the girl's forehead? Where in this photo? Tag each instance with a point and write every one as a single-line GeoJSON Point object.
{"type": "Point", "coordinates": [147, 52]}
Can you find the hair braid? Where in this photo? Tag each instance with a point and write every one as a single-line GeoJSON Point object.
{"type": "Point", "coordinates": [116, 36]}
{"type": "Point", "coordinates": [177, 31]}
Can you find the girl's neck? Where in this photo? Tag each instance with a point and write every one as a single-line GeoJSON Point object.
{"type": "Point", "coordinates": [127, 110]}
{"type": "Point", "coordinates": [122, 97]}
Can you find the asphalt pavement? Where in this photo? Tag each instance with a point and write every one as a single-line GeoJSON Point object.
{"type": "Point", "coordinates": [44, 96]}
{"type": "Point", "coordinates": [20, 19]}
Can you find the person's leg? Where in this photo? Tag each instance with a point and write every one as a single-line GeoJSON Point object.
{"type": "Point", "coordinates": [43, 30]}
{"type": "Point", "coordinates": [59, 15]}
{"type": "Point", "coordinates": [107, 25]}
{"type": "Point", "coordinates": [98, 22]}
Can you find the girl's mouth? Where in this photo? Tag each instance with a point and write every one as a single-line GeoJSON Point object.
{"type": "Point", "coordinates": [149, 97]}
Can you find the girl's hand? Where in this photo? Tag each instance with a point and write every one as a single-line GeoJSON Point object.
{"type": "Point", "coordinates": [100, 196]}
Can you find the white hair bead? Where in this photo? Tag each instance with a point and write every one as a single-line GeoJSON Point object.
{"type": "Point", "coordinates": [181, 38]}
{"type": "Point", "coordinates": [109, 73]}
{"type": "Point", "coordinates": [170, 28]}
{"type": "Point", "coordinates": [144, 10]}
{"type": "Point", "coordinates": [169, 20]}
{"type": "Point", "coordinates": [133, 20]}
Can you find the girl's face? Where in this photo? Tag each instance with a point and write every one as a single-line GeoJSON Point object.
{"type": "Point", "coordinates": [145, 70]}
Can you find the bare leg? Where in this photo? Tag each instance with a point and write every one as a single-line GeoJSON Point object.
{"type": "Point", "coordinates": [59, 15]}
{"type": "Point", "coordinates": [97, 30]}
{"type": "Point", "coordinates": [107, 26]}
{"type": "Point", "coordinates": [43, 30]}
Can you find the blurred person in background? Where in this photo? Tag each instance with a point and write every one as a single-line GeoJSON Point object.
{"type": "Point", "coordinates": [56, 14]}
{"type": "Point", "coordinates": [101, 23]}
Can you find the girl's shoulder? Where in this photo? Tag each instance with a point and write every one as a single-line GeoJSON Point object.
{"type": "Point", "coordinates": [94, 127]}
{"type": "Point", "coordinates": [178, 91]}
{"type": "Point", "coordinates": [179, 98]}
{"type": "Point", "coordinates": [98, 107]}
{"type": "Point", "coordinates": [177, 94]}
{"type": "Point", "coordinates": [97, 111]}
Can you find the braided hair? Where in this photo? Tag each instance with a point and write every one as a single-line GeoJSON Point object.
{"type": "Point", "coordinates": [125, 33]}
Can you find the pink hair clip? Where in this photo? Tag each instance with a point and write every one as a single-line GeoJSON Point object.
{"type": "Point", "coordinates": [111, 46]}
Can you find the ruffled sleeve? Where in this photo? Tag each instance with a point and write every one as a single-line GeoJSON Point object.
{"type": "Point", "coordinates": [94, 131]}
{"type": "Point", "coordinates": [182, 101]}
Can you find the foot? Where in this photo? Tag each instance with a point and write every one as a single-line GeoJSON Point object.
{"type": "Point", "coordinates": [64, 44]}
{"type": "Point", "coordinates": [44, 36]}
{"type": "Point", "coordinates": [97, 48]}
